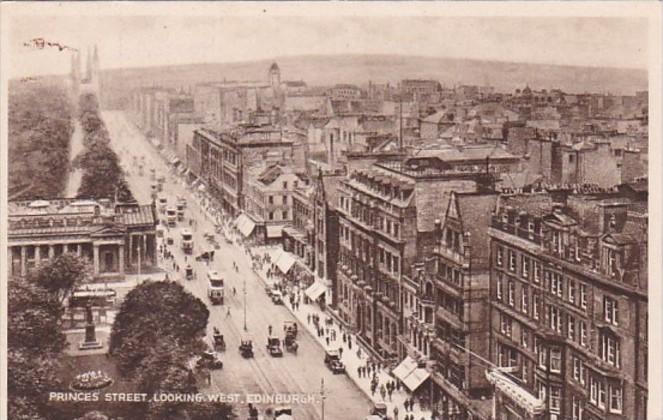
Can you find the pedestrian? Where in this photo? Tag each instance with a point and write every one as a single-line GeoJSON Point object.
{"type": "Point", "coordinates": [234, 291]}
{"type": "Point", "coordinates": [412, 403]}
{"type": "Point", "coordinates": [359, 371]}
{"type": "Point", "coordinates": [327, 340]}
{"type": "Point", "coordinates": [389, 392]}
{"type": "Point", "coordinates": [269, 330]}
{"type": "Point", "coordinates": [340, 352]}
{"type": "Point", "coordinates": [228, 313]}
{"type": "Point", "coordinates": [350, 345]}
{"type": "Point", "coordinates": [308, 319]}
{"type": "Point", "coordinates": [344, 338]}
{"type": "Point", "coordinates": [209, 377]}
{"type": "Point", "coordinates": [398, 385]}
{"type": "Point", "coordinates": [383, 391]}
{"type": "Point", "coordinates": [395, 412]}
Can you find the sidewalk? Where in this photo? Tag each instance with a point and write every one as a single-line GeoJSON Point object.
{"type": "Point", "coordinates": [350, 356]}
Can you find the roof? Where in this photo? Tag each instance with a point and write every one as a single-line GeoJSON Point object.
{"type": "Point", "coordinates": [475, 212]}
{"type": "Point", "coordinates": [142, 215]}
{"type": "Point", "coordinates": [330, 185]}
{"type": "Point", "coordinates": [535, 204]}
{"type": "Point", "coordinates": [432, 201]}
{"type": "Point", "coordinates": [451, 154]}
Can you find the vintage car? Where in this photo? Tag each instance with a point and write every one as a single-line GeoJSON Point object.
{"type": "Point", "coordinates": [188, 272]}
{"type": "Point", "coordinates": [333, 361]}
{"type": "Point", "coordinates": [291, 342]}
{"type": "Point", "coordinates": [246, 348]}
{"type": "Point", "coordinates": [274, 347]}
{"type": "Point", "coordinates": [209, 360]}
{"type": "Point", "coordinates": [290, 327]}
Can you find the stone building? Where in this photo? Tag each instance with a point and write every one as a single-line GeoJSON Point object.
{"type": "Point", "coordinates": [115, 238]}
{"type": "Point", "coordinates": [569, 306]}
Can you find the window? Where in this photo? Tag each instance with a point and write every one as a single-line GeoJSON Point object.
{"type": "Point", "coordinates": [285, 185]}
{"type": "Point", "coordinates": [271, 199]}
{"type": "Point", "coordinates": [524, 300]}
{"type": "Point", "coordinates": [396, 265]}
{"type": "Point", "coordinates": [610, 349]}
{"type": "Point", "coordinates": [570, 327]}
{"type": "Point", "coordinates": [577, 408]}
{"type": "Point", "coordinates": [506, 325]}
{"type": "Point", "coordinates": [583, 333]}
{"type": "Point", "coordinates": [541, 353]}
{"type": "Point", "coordinates": [524, 338]}
{"type": "Point", "coordinates": [535, 306]}
{"type": "Point", "coordinates": [525, 268]}
{"type": "Point", "coordinates": [602, 394]}
{"type": "Point", "coordinates": [271, 215]}
{"type": "Point", "coordinates": [285, 199]}
{"type": "Point", "coordinates": [542, 391]}
{"type": "Point", "coordinates": [555, 359]}
{"type": "Point", "coordinates": [583, 296]}
{"type": "Point", "coordinates": [506, 356]}
{"type": "Point", "coordinates": [610, 310]}
{"type": "Point", "coordinates": [555, 319]}
{"type": "Point", "coordinates": [498, 286]}
{"type": "Point", "coordinates": [556, 284]}
{"type": "Point", "coordinates": [499, 256]}
{"type": "Point", "coordinates": [512, 293]}
{"type": "Point", "coordinates": [284, 214]}
{"type": "Point", "coordinates": [615, 399]}
{"type": "Point", "coordinates": [396, 229]}
{"type": "Point", "coordinates": [555, 395]}
{"type": "Point", "coordinates": [593, 390]}
{"type": "Point", "coordinates": [578, 370]}
{"type": "Point", "coordinates": [572, 291]}
{"type": "Point", "coordinates": [537, 272]}
{"type": "Point", "coordinates": [512, 261]}
{"type": "Point", "coordinates": [570, 158]}
{"type": "Point", "coordinates": [524, 372]}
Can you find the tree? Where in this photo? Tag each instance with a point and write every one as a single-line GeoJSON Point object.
{"type": "Point", "coordinates": [154, 311]}
{"type": "Point", "coordinates": [62, 275]}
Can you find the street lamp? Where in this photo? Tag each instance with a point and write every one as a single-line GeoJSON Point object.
{"type": "Point", "coordinates": [322, 396]}
{"type": "Point", "coordinates": [245, 329]}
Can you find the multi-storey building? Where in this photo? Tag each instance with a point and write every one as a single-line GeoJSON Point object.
{"type": "Point", "coordinates": [386, 224]}
{"type": "Point", "coordinates": [569, 307]}
{"type": "Point", "coordinates": [221, 159]}
{"type": "Point", "coordinates": [451, 325]}
{"type": "Point", "coordinates": [268, 199]}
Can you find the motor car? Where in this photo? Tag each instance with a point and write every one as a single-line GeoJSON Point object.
{"type": "Point", "coordinates": [274, 347]}
{"type": "Point", "coordinates": [333, 361]}
{"type": "Point", "coordinates": [379, 410]}
{"type": "Point", "coordinates": [209, 359]}
{"type": "Point", "coordinates": [283, 413]}
{"type": "Point", "coordinates": [246, 348]}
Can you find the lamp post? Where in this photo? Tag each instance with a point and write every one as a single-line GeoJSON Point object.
{"type": "Point", "coordinates": [322, 396]}
{"type": "Point", "coordinates": [245, 329]}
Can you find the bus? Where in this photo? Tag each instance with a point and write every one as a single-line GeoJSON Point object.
{"type": "Point", "coordinates": [187, 241]}
{"type": "Point", "coordinates": [171, 216]}
{"type": "Point", "coordinates": [215, 287]}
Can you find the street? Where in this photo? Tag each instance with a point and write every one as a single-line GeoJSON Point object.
{"type": "Point", "coordinates": [299, 374]}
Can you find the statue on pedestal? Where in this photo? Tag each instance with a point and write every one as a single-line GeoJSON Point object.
{"type": "Point", "coordinates": [91, 341]}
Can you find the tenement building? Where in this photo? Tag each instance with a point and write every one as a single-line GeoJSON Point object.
{"type": "Point", "coordinates": [387, 216]}
{"type": "Point", "coordinates": [569, 307]}
{"type": "Point", "coordinates": [115, 238]}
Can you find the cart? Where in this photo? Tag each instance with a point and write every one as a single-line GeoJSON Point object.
{"type": "Point", "coordinates": [188, 272]}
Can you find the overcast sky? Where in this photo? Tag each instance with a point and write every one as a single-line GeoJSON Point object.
{"type": "Point", "coordinates": [125, 41]}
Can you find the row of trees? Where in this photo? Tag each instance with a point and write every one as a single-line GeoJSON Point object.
{"type": "Point", "coordinates": [35, 341]}
{"type": "Point", "coordinates": [157, 331]}
{"type": "Point", "coordinates": [40, 126]}
{"type": "Point", "coordinates": [103, 176]}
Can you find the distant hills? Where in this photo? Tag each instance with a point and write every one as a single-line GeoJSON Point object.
{"type": "Point", "coordinates": [359, 69]}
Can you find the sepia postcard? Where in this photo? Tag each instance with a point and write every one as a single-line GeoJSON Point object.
{"type": "Point", "coordinates": [331, 211]}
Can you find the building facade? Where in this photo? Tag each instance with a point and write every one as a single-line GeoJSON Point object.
{"type": "Point", "coordinates": [114, 238]}
{"type": "Point", "coordinates": [568, 306]}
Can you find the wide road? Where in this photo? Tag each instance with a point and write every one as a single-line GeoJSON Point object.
{"type": "Point", "coordinates": [299, 374]}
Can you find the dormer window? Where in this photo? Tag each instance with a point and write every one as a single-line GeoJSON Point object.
{"type": "Point", "coordinates": [613, 221]}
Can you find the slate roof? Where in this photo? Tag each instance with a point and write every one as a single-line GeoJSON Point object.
{"type": "Point", "coordinates": [143, 215]}
{"type": "Point", "coordinates": [475, 211]}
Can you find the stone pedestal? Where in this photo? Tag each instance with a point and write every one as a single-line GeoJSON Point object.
{"type": "Point", "coordinates": [90, 341]}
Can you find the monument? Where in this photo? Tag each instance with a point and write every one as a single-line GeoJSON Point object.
{"type": "Point", "coordinates": [90, 342]}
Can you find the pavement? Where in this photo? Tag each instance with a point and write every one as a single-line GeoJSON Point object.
{"type": "Point", "coordinates": [262, 377]}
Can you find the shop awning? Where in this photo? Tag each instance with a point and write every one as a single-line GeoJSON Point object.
{"type": "Point", "coordinates": [274, 231]}
{"type": "Point", "coordinates": [516, 393]}
{"type": "Point", "coordinates": [416, 378]}
{"type": "Point", "coordinates": [405, 368]}
{"type": "Point", "coordinates": [315, 290]}
{"type": "Point", "coordinates": [409, 372]}
{"type": "Point", "coordinates": [285, 262]}
{"type": "Point", "coordinates": [245, 225]}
